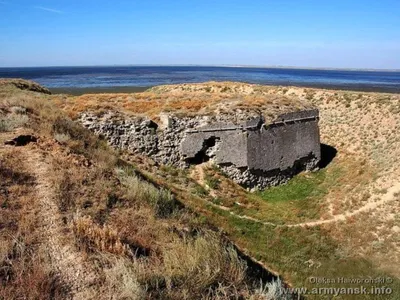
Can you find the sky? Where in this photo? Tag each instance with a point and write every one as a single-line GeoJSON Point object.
{"type": "Point", "coordinates": [296, 33]}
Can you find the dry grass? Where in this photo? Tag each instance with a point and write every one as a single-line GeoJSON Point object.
{"type": "Point", "coordinates": [121, 280]}
{"type": "Point", "coordinates": [189, 102]}
{"type": "Point", "coordinates": [12, 121]}
{"type": "Point", "coordinates": [24, 271]}
{"type": "Point", "coordinates": [32, 279]}
{"type": "Point", "coordinates": [273, 290]}
{"type": "Point", "coordinates": [363, 128]}
{"type": "Point", "coordinates": [161, 200]}
{"type": "Point", "coordinates": [23, 84]}
{"type": "Point", "coordinates": [131, 231]}
{"type": "Point", "coordinates": [146, 246]}
{"type": "Point", "coordinates": [206, 262]}
{"type": "Point", "coordinates": [200, 267]}
{"type": "Point", "coordinates": [93, 237]}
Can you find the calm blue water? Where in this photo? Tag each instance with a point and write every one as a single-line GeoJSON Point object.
{"type": "Point", "coordinates": [92, 77]}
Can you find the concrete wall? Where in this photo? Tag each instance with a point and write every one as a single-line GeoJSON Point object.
{"type": "Point", "coordinates": [259, 155]}
{"type": "Point", "coordinates": [231, 146]}
{"type": "Point", "coordinates": [259, 146]}
{"type": "Point", "coordinates": [280, 145]}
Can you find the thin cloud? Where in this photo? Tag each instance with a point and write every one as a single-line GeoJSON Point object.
{"type": "Point", "coordinates": [56, 11]}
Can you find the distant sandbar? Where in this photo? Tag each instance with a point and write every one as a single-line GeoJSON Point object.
{"type": "Point", "coordinates": [77, 91]}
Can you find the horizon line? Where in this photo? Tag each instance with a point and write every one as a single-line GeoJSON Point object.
{"type": "Point", "coordinates": [215, 65]}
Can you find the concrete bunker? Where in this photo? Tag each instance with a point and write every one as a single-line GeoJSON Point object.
{"type": "Point", "coordinates": [258, 154]}
{"type": "Point", "coordinates": [258, 141]}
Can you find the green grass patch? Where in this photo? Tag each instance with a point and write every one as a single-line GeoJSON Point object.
{"type": "Point", "coordinates": [299, 188]}
{"type": "Point", "coordinates": [200, 191]}
{"type": "Point", "coordinates": [296, 253]}
{"type": "Point", "coordinates": [297, 201]}
{"type": "Point", "coordinates": [212, 182]}
{"type": "Point", "coordinates": [303, 253]}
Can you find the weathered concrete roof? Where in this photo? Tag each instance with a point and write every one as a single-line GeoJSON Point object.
{"type": "Point", "coordinates": [237, 102]}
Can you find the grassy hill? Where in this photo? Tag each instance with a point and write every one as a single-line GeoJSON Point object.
{"type": "Point", "coordinates": [79, 219]}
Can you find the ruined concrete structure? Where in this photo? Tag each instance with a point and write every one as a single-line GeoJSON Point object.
{"type": "Point", "coordinates": [254, 152]}
{"type": "Point", "coordinates": [257, 137]}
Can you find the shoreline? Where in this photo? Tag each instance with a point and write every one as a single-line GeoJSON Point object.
{"type": "Point", "coordinates": [209, 66]}
{"type": "Point", "coordinates": [77, 91]}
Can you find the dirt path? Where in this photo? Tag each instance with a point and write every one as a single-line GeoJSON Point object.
{"type": "Point", "coordinates": [57, 241]}
{"type": "Point", "coordinates": [391, 195]}
{"type": "Point", "coordinates": [199, 175]}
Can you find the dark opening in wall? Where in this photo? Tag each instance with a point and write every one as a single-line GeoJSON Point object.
{"type": "Point", "coordinates": [152, 124]}
{"type": "Point", "coordinates": [204, 154]}
{"type": "Point", "coordinates": [328, 153]}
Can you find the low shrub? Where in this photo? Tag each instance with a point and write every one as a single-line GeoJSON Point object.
{"type": "Point", "coordinates": [273, 290]}
{"type": "Point", "coordinates": [161, 200]}
{"type": "Point", "coordinates": [12, 121]}
{"type": "Point", "coordinates": [121, 280]}
{"type": "Point", "coordinates": [196, 264]}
